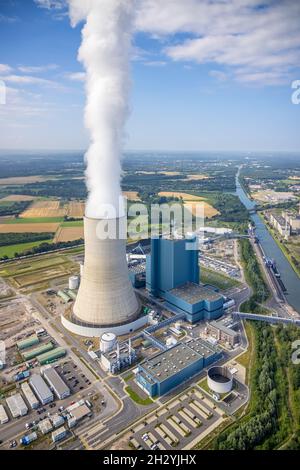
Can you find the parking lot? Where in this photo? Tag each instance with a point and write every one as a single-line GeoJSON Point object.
{"type": "Point", "coordinates": [177, 424]}
{"type": "Point", "coordinates": [72, 376]}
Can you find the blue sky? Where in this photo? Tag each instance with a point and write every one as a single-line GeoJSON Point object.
{"type": "Point", "coordinates": [197, 83]}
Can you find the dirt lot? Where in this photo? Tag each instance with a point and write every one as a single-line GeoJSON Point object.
{"type": "Point", "coordinates": [76, 209]}
{"type": "Point", "coordinates": [22, 228]}
{"type": "Point", "coordinates": [65, 234]}
{"type": "Point", "coordinates": [44, 209]}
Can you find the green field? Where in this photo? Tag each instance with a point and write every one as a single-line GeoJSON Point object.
{"type": "Point", "coordinates": [36, 220]}
{"type": "Point", "coordinates": [135, 397]}
{"type": "Point", "coordinates": [12, 249]}
{"type": "Point", "coordinates": [222, 282]}
{"type": "Point", "coordinates": [74, 223]}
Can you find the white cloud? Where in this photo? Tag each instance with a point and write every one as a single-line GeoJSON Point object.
{"type": "Point", "coordinates": [155, 63]}
{"type": "Point", "coordinates": [4, 68]}
{"type": "Point", "coordinates": [29, 80]}
{"type": "Point", "coordinates": [258, 40]}
{"type": "Point", "coordinates": [8, 19]}
{"type": "Point", "coordinates": [76, 76]}
{"type": "Point", "coordinates": [37, 69]}
{"type": "Point", "coordinates": [51, 4]}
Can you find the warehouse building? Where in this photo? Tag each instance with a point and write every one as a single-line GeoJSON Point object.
{"type": "Point", "coordinates": [57, 420]}
{"type": "Point", "coordinates": [51, 356]}
{"type": "Point", "coordinates": [3, 415]}
{"type": "Point", "coordinates": [45, 426]}
{"type": "Point", "coordinates": [16, 405]}
{"type": "Point", "coordinates": [166, 370]}
{"type": "Point", "coordinates": [30, 396]}
{"type": "Point", "coordinates": [59, 434]}
{"type": "Point", "coordinates": [37, 351]}
{"type": "Point", "coordinates": [41, 390]}
{"type": "Point", "coordinates": [28, 342]}
{"type": "Point", "coordinates": [172, 273]}
{"type": "Point", "coordinates": [57, 385]}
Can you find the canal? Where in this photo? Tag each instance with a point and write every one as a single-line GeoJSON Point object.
{"type": "Point", "coordinates": [272, 250]}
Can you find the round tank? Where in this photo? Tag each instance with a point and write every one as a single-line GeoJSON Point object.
{"type": "Point", "coordinates": [219, 379]}
{"type": "Point", "coordinates": [107, 342]}
{"type": "Point", "coordinates": [73, 282]}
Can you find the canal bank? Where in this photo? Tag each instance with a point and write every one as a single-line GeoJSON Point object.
{"type": "Point", "coordinates": [272, 250]}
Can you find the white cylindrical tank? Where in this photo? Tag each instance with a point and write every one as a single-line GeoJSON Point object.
{"type": "Point", "coordinates": [73, 282]}
{"type": "Point", "coordinates": [108, 342]}
{"type": "Point", "coordinates": [178, 325]}
{"type": "Point", "coordinates": [219, 379]}
{"type": "Point", "coordinates": [81, 269]}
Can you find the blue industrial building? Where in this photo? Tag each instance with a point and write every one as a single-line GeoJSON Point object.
{"type": "Point", "coordinates": [172, 273]}
{"type": "Point", "coordinates": [168, 369]}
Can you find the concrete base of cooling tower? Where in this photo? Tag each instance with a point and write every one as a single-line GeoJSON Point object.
{"type": "Point", "coordinates": [90, 331]}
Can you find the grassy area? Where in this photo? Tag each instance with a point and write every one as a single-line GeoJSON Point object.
{"type": "Point", "coordinates": [128, 377]}
{"type": "Point", "coordinates": [35, 220]}
{"type": "Point", "coordinates": [19, 248]}
{"type": "Point", "coordinates": [222, 282]}
{"type": "Point", "coordinates": [73, 223]}
{"type": "Point", "coordinates": [246, 358]}
{"type": "Point", "coordinates": [135, 397]}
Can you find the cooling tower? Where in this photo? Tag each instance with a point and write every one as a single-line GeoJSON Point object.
{"type": "Point", "coordinates": [106, 297]}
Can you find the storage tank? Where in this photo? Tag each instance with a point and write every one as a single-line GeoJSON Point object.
{"type": "Point", "coordinates": [108, 342]}
{"type": "Point", "coordinates": [219, 379]}
{"type": "Point", "coordinates": [73, 282]}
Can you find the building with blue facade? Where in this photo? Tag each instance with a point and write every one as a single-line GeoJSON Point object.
{"type": "Point", "coordinates": [172, 273]}
{"type": "Point", "coordinates": [166, 370]}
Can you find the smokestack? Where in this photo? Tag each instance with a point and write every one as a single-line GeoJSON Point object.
{"type": "Point", "coordinates": [106, 296]}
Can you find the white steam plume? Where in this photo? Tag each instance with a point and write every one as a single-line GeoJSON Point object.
{"type": "Point", "coordinates": [105, 54]}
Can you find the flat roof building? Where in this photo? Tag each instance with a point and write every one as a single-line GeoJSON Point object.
{"type": "Point", "coordinates": [56, 383]}
{"type": "Point", "coordinates": [168, 369]}
{"type": "Point", "coordinates": [45, 426]}
{"type": "Point", "coordinates": [41, 389]}
{"type": "Point", "coordinates": [80, 412]}
{"type": "Point", "coordinates": [16, 405]}
{"type": "Point", "coordinates": [59, 434]}
{"type": "Point", "coordinates": [223, 333]}
{"type": "Point", "coordinates": [30, 396]}
{"type": "Point", "coordinates": [3, 415]}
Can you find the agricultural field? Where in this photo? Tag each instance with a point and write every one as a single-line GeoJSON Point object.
{"type": "Point", "coordinates": [11, 250]}
{"type": "Point", "coordinates": [17, 180]}
{"type": "Point", "coordinates": [75, 209]}
{"type": "Point", "coordinates": [17, 198]}
{"type": "Point", "coordinates": [131, 195]}
{"type": "Point", "coordinates": [184, 196]}
{"type": "Point", "coordinates": [45, 208]}
{"type": "Point", "coordinates": [29, 227]}
{"type": "Point", "coordinates": [65, 234]}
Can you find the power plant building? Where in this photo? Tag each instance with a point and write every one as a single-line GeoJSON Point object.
{"type": "Point", "coordinates": [172, 273]}
{"type": "Point", "coordinates": [168, 369]}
